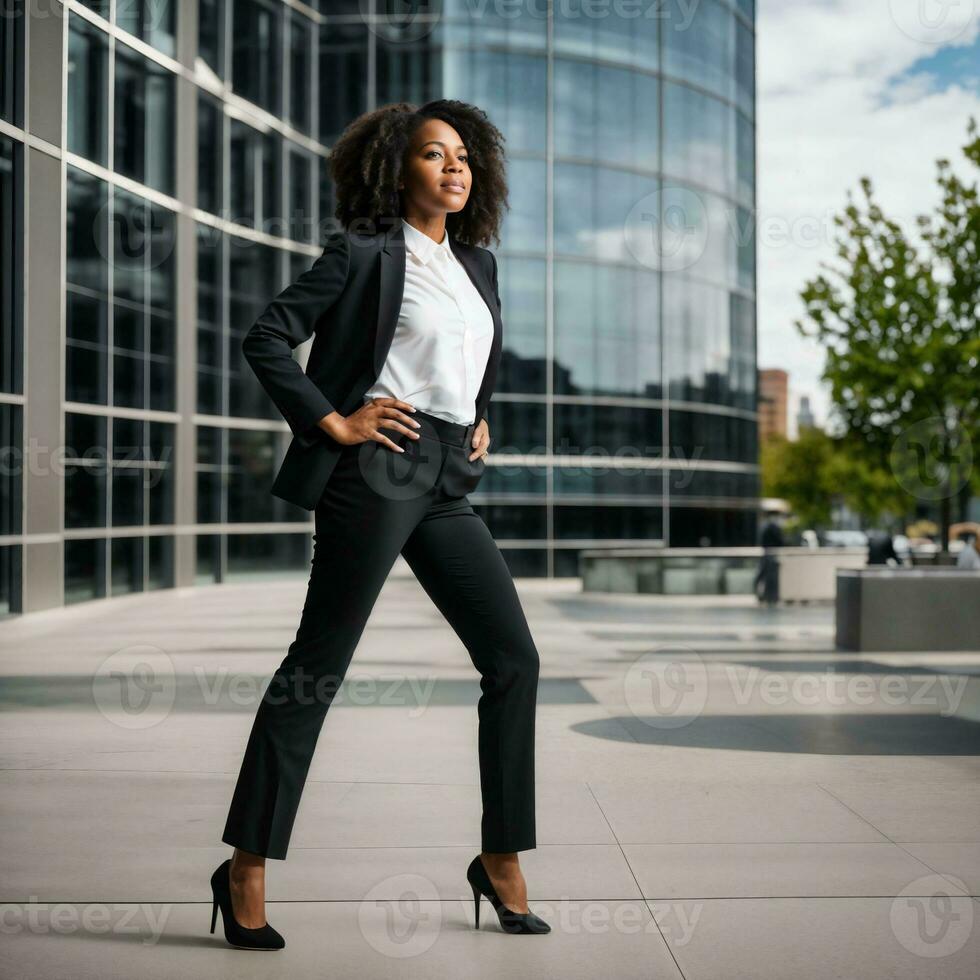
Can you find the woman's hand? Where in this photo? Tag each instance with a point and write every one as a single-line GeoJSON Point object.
{"type": "Point", "coordinates": [481, 440]}
{"type": "Point", "coordinates": [368, 421]}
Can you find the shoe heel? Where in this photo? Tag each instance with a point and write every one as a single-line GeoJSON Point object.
{"type": "Point", "coordinates": [476, 906]}
{"type": "Point", "coordinates": [214, 914]}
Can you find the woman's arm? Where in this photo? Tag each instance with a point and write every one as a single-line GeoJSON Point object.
{"type": "Point", "coordinates": [283, 325]}
{"type": "Point", "coordinates": [496, 296]}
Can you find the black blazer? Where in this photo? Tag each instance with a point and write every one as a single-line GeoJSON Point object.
{"type": "Point", "coordinates": [350, 299]}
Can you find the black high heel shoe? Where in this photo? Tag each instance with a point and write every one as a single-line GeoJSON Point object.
{"type": "Point", "coordinates": [510, 921]}
{"type": "Point", "coordinates": [265, 937]}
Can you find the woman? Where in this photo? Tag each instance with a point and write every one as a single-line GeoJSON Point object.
{"type": "Point", "coordinates": [397, 468]}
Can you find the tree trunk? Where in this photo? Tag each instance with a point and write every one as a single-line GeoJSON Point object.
{"type": "Point", "coordinates": [945, 512]}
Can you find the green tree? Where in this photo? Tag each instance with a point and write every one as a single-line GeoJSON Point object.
{"type": "Point", "coordinates": [953, 235]}
{"type": "Point", "coordinates": [818, 470]}
{"type": "Point", "coordinates": [798, 471]}
{"type": "Point", "coordinates": [899, 328]}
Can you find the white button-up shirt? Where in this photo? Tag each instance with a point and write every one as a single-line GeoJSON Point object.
{"type": "Point", "coordinates": [442, 340]}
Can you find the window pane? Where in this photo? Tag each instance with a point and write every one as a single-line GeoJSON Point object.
{"type": "Point", "coordinates": [343, 76]}
{"type": "Point", "coordinates": [11, 280]}
{"type": "Point", "coordinates": [300, 72]}
{"type": "Point", "coordinates": [699, 138]}
{"type": "Point", "coordinates": [302, 220]}
{"type": "Point", "coordinates": [87, 296]}
{"type": "Point", "coordinates": [127, 565]}
{"type": "Point", "coordinates": [745, 68]}
{"type": "Point", "coordinates": [12, 473]}
{"type": "Point", "coordinates": [88, 92]}
{"type": "Point", "coordinates": [210, 146]}
{"type": "Point", "coordinates": [255, 178]}
{"type": "Point", "coordinates": [256, 57]}
{"type": "Point", "coordinates": [149, 20]}
{"type": "Point", "coordinates": [160, 561]}
{"type": "Point", "coordinates": [84, 569]}
{"type": "Point", "coordinates": [11, 61]}
{"type": "Point", "coordinates": [621, 32]}
{"type": "Point", "coordinates": [254, 280]}
{"type": "Point", "coordinates": [210, 317]}
{"type": "Point", "coordinates": [143, 127]}
{"type": "Point", "coordinates": [210, 34]}
{"type": "Point", "coordinates": [699, 45]}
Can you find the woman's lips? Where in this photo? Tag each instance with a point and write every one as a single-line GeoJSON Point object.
{"type": "Point", "coordinates": [455, 188]}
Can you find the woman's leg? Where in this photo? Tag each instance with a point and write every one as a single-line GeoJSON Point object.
{"type": "Point", "coordinates": [458, 563]}
{"type": "Point", "coordinates": [358, 535]}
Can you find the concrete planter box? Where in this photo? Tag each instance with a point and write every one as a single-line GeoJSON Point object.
{"type": "Point", "coordinates": [908, 609]}
{"type": "Point", "coordinates": [805, 574]}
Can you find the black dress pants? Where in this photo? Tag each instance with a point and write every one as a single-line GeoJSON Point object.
{"type": "Point", "coordinates": [379, 503]}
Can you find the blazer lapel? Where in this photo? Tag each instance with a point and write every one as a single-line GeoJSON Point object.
{"type": "Point", "coordinates": [391, 289]}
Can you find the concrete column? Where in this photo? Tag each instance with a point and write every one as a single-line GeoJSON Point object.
{"type": "Point", "coordinates": [185, 485]}
{"type": "Point", "coordinates": [44, 308]}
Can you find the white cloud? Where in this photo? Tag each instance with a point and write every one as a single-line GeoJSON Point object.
{"type": "Point", "coordinates": [831, 110]}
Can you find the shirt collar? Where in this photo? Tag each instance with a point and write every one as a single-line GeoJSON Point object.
{"type": "Point", "coordinates": [423, 247]}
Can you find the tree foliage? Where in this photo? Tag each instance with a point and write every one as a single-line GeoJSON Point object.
{"type": "Point", "coordinates": [899, 325]}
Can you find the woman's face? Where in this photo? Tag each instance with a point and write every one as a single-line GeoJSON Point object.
{"type": "Point", "coordinates": [437, 175]}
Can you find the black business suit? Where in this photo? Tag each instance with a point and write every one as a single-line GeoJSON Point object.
{"type": "Point", "coordinates": [371, 504]}
{"type": "Point", "coordinates": [350, 299]}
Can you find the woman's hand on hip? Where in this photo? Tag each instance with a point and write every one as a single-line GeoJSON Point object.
{"type": "Point", "coordinates": [481, 440]}
{"type": "Point", "coordinates": [369, 421]}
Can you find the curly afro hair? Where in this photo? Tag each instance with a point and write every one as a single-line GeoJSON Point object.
{"type": "Point", "coordinates": [367, 160]}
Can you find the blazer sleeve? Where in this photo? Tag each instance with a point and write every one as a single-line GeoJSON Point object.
{"type": "Point", "coordinates": [496, 288]}
{"type": "Point", "coordinates": [496, 296]}
{"type": "Point", "coordinates": [283, 325]}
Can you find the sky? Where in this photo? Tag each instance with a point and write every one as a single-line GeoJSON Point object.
{"type": "Point", "coordinates": [845, 89]}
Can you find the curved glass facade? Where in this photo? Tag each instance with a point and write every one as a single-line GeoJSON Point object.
{"type": "Point", "coordinates": [627, 390]}
{"type": "Point", "coordinates": [190, 153]}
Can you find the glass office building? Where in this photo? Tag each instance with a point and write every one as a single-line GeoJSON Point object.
{"type": "Point", "coordinates": [164, 174]}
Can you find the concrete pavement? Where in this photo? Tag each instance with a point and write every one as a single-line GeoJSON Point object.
{"type": "Point", "coordinates": [720, 794]}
